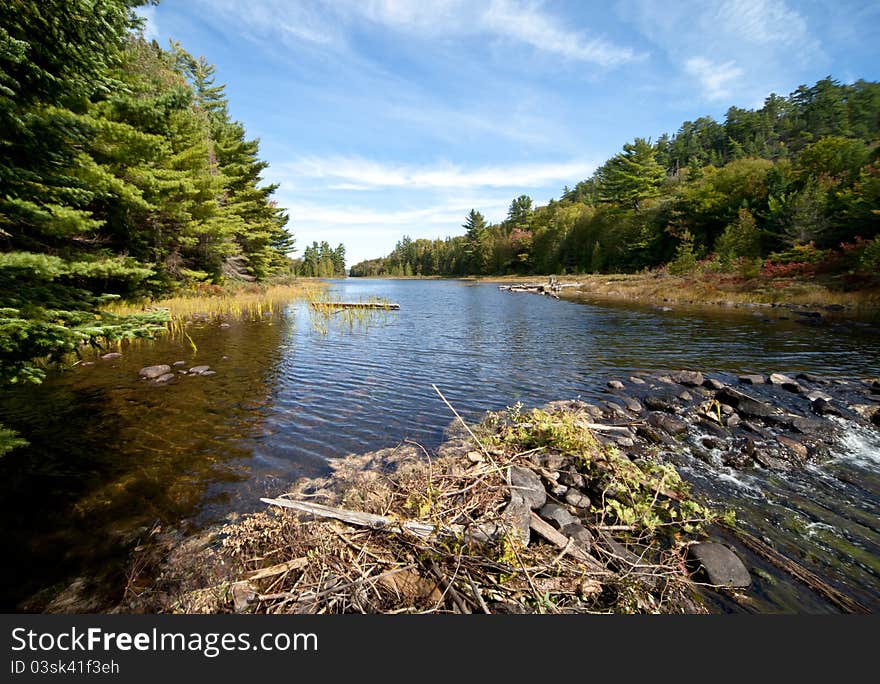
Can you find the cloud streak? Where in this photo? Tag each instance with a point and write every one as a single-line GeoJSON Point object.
{"type": "Point", "coordinates": [715, 79]}
{"type": "Point", "coordinates": [329, 23]}
{"type": "Point", "coordinates": [357, 173]}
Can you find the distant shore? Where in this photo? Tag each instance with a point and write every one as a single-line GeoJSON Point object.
{"type": "Point", "coordinates": [720, 290]}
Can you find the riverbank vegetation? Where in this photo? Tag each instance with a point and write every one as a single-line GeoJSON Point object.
{"type": "Point", "coordinates": [789, 192]}
{"type": "Point", "coordinates": [122, 176]}
{"type": "Point", "coordinates": [471, 529]}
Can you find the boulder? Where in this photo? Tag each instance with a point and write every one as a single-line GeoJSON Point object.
{"type": "Point", "coordinates": [650, 434]}
{"type": "Point", "coordinates": [786, 383]}
{"type": "Point", "coordinates": [822, 407]}
{"type": "Point", "coordinates": [793, 446]}
{"type": "Point", "coordinates": [558, 490]}
{"type": "Point", "coordinates": [668, 424]}
{"type": "Point", "coordinates": [713, 442]}
{"type": "Point", "coordinates": [689, 378]}
{"type": "Point", "coordinates": [526, 484]}
{"type": "Point", "coordinates": [151, 372]}
{"type": "Point", "coordinates": [571, 478]}
{"type": "Point", "coordinates": [744, 404]}
{"type": "Point", "coordinates": [633, 405]}
{"type": "Point", "coordinates": [556, 515]}
{"type": "Point", "coordinates": [580, 534]}
{"type": "Point", "coordinates": [722, 566]}
{"type": "Point", "coordinates": [659, 404]}
{"type": "Point", "coordinates": [752, 379]}
{"type": "Point", "coordinates": [771, 462]}
{"type": "Point", "coordinates": [577, 499]}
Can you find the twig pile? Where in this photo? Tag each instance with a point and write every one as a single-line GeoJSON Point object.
{"type": "Point", "coordinates": [439, 534]}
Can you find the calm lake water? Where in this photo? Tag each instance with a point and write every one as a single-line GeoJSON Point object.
{"type": "Point", "coordinates": [111, 455]}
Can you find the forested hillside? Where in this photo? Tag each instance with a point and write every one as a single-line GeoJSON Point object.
{"type": "Point", "coordinates": [121, 173]}
{"type": "Point", "coordinates": [794, 186]}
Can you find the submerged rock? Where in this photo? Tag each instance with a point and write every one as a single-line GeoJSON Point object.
{"type": "Point", "coordinates": [199, 370]}
{"type": "Point", "coordinates": [722, 566]}
{"type": "Point", "coordinates": [615, 384]}
{"type": "Point", "coordinates": [152, 372]}
{"type": "Point", "coordinates": [111, 355]}
{"type": "Point", "coordinates": [162, 379]}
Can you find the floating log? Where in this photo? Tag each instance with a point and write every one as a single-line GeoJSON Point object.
{"type": "Point", "coordinates": [356, 305]}
{"type": "Point", "coordinates": [551, 289]}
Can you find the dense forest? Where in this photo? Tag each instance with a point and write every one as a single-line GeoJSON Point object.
{"type": "Point", "coordinates": [793, 186]}
{"type": "Point", "coordinates": [121, 174]}
{"type": "Point", "coordinates": [320, 261]}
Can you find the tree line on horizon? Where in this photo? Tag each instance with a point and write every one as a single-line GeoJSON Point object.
{"type": "Point", "coordinates": [122, 174]}
{"type": "Point", "coordinates": [793, 184]}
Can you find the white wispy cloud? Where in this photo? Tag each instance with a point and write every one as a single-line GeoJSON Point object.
{"type": "Point", "coordinates": [529, 24]}
{"type": "Point", "coordinates": [764, 22]}
{"type": "Point", "coordinates": [357, 173]}
{"type": "Point", "coordinates": [715, 79]}
{"type": "Point", "coordinates": [327, 23]}
{"type": "Point", "coordinates": [721, 42]}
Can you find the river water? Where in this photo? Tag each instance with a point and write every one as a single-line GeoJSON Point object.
{"type": "Point", "coordinates": [111, 455]}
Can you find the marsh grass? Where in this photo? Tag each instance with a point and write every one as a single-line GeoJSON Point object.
{"type": "Point", "coordinates": [325, 313]}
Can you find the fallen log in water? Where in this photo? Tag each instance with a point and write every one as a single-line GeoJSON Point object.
{"type": "Point", "coordinates": [356, 305]}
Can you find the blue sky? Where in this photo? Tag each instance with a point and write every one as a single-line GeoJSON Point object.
{"type": "Point", "coordinates": [381, 118]}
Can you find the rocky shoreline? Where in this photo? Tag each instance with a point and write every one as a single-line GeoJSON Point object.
{"type": "Point", "coordinates": [752, 420]}
{"type": "Point", "coordinates": [575, 507]}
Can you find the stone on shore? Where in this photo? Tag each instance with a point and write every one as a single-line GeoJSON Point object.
{"type": "Point", "coordinates": [556, 515]}
{"type": "Point", "coordinates": [689, 378]}
{"type": "Point", "coordinates": [575, 498]}
{"type": "Point", "coordinates": [721, 565]}
{"type": "Point", "coordinates": [526, 484]}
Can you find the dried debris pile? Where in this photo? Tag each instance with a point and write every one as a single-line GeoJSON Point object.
{"type": "Point", "coordinates": [527, 513]}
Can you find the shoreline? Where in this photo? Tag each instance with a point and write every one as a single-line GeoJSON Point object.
{"type": "Point", "coordinates": [574, 507]}
{"type": "Point", "coordinates": [660, 289]}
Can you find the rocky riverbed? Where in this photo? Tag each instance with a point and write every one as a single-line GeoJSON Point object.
{"type": "Point", "coordinates": [775, 421]}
